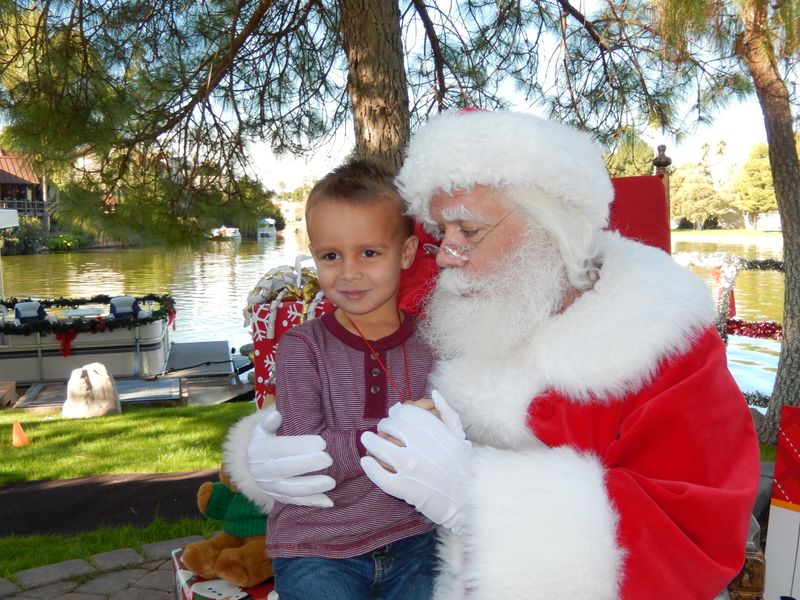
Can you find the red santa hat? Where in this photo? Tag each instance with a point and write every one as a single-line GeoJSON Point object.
{"type": "Point", "coordinates": [460, 149]}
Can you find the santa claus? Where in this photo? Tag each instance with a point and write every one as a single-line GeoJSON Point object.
{"type": "Point", "coordinates": [586, 439]}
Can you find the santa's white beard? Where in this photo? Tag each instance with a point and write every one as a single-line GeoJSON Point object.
{"type": "Point", "coordinates": [492, 315]}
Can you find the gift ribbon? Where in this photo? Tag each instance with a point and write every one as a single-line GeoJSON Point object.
{"type": "Point", "coordinates": [65, 341]}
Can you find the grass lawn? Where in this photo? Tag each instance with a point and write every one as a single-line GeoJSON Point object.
{"type": "Point", "coordinates": [140, 440]}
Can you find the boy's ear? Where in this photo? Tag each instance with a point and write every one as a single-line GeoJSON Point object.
{"type": "Point", "coordinates": [409, 250]}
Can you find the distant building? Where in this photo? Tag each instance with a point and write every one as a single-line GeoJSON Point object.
{"type": "Point", "coordinates": [292, 211]}
{"type": "Point", "coordinates": [20, 186]}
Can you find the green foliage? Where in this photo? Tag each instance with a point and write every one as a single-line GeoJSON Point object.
{"type": "Point", "coordinates": [65, 242]}
{"type": "Point", "coordinates": [754, 192]}
{"type": "Point", "coordinates": [140, 440]}
{"type": "Point", "coordinates": [300, 193]}
{"type": "Point", "coordinates": [246, 201]}
{"type": "Point", "coordinates": [693, 197]}
{"type": "Point", "coordinates": [28, 238]}
{"type": "Point", "coordinates": [768, 452]}
{"type": "Point", "coordinates": [632, 157]}
{"type": "Point", "coordinates": [21, 552]}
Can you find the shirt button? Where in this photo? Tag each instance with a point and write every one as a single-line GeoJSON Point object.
{"type": "Point", "coordinates": [375, 389]}
{"type": "Point", "coordinates": [375, 372]}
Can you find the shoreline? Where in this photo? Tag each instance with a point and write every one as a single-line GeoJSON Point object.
{"type": "Point", "coordinates": [730, 236]}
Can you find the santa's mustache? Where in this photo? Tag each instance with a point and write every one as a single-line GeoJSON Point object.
{"type": "Point", "coordinates": [492, 313]}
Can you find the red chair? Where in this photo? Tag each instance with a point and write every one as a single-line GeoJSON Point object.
{"type": "Point", "coordinates": [639, 210]}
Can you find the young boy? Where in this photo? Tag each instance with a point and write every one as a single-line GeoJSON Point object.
{"type": "Point", "coordinates": [336, 377]}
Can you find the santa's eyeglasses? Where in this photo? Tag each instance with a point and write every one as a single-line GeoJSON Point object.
{"type": "Point", "coordinates": [461, 252]}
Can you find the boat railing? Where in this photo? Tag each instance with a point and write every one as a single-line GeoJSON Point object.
{"type": "Point", "coordinates": [133, 343]}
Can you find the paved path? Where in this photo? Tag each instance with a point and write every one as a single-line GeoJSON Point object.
{"type": "Point", "coordinates": [117, 575]}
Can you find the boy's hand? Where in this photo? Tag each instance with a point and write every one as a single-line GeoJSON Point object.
{"type": "Point", "coordinates": [426, 404]}
{"type": "Point", "coordinates": [423, 403]}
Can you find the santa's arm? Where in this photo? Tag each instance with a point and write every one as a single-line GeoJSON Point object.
{"type": "Point", "coordinates": [661, 512]}
{"type": "Point", "coordinates": [684, 474]}
{"type": "Point", "coordinates": [539, 520]}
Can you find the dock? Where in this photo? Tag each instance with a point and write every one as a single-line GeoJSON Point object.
{"type": "Point", "coordinates": [197, 373]}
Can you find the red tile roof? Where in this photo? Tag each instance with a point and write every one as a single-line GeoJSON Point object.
{"type": "Point", "coordinates": [16, 170]}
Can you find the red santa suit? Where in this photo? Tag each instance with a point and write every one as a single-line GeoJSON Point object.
{"type": "Point", "coordinates": [614, 457]}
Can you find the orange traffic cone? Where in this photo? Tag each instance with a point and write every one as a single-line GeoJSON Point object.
{"type": "Point", "coordinates": [18, 437]}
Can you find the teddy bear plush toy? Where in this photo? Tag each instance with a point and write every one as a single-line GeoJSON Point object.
{"type": "Point", "coordinates": [238, 553]}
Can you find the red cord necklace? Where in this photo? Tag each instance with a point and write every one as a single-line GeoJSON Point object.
{"type": "Point", "coordinates": [380, 362]}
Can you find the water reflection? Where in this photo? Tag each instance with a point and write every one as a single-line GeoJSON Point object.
{"type": "Point", "coordinates": [759, 297]}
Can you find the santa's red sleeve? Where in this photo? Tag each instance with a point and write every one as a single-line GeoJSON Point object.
{"type": "Point", "coordinates": [646, 496]}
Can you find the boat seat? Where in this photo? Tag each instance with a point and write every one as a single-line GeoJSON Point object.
{"type": "Point", "coordinates": [30, 311]}
{"type": "Point", "coordinates": [124, 307]}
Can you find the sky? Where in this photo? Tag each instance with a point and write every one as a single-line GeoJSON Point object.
{"type": "Point", "coordinates": [741, 126]}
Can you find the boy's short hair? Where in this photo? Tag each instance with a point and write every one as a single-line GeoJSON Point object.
{"type": "Point", "coordinates": [361, 181]}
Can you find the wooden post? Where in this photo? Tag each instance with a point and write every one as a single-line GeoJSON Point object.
{"type": "Point", "coordinates": [46, 204]}
{"type": "Point", "coordinates": [661, 165]}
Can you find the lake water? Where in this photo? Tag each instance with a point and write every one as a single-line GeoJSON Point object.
{"type": "Point", "coordinates": [759, 297]}
{"type": "Point", "coordinates": [210, 285]}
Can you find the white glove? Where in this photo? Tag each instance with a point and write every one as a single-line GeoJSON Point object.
{"type": "Point", "coordinates": [431, 466]}
{"type": "Point", "coordinates": [276, 463]}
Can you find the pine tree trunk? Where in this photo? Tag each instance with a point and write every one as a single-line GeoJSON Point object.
{"type": "Point", "coordinates": [773, 97]}
{"type": "Point", "coordinates": [376, 81]}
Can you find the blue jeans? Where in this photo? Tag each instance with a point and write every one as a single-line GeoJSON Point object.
{"type": "Point", "coordinates": [402, 570]}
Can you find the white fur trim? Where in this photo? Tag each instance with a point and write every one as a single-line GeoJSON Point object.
{"type": "Point", "coordinates": [234, 459]}
{"type": "Point", "coordinates": [538, 524]}
{"type": "Point", "coordinates": [492, 398]}
{"type": "Point", "coordinates": [643, 309]}
{"type": "Point", "coordinates": [449, 585]}
{"type": "Point", "coordinates": [460, 149]}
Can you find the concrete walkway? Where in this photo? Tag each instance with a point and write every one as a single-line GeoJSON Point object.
{"type": "Point", "coordinates": [117, 575]}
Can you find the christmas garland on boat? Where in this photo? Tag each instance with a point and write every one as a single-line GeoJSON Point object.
{"type": "Point", "coordinates": [165, 310]}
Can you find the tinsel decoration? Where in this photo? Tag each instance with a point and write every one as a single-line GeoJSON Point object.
{"type": "Point", "coordinates": [285, 283]}
{"type": "Point", "coordinates": [757, 329]}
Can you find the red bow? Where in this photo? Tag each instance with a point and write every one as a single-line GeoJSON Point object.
{"type": "Point", "coordinates": [65, 340]}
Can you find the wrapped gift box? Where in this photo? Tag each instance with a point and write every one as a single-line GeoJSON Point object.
{"type": "Point", "coordinates": [783, 530]}
{"type": "Point", "coordinates": [189, 586]}
{"type": "Point", "coordinates": [269, 322]}
{"type": "Point", "coordinates": [283, 298]}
